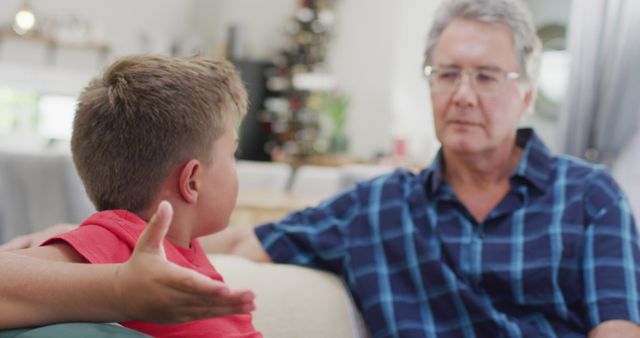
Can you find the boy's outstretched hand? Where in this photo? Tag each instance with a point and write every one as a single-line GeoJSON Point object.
{"type": "Point", "coordinates": [148, 287]}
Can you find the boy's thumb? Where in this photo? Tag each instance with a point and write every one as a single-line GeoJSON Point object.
{"type": "Point", "coordinates": [151, 239]}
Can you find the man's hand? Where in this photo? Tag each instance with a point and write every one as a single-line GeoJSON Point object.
{"type": "Point", "coordinates": [36, 238]}
{"type": "Point", "coordinates": [148, 287]}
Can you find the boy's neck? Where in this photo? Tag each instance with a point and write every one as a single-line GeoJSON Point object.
{"type": "Point", "coordinates": [179, 233]}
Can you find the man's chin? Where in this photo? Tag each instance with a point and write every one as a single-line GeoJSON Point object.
{"type": "Point", "coordinates": [463, 145]}
{"type": "Point", "coordinates": [462, 142]}
{"type": "Point", "coordinates": [463, 150]}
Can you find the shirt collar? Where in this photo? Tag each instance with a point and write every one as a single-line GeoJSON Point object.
{"type": "Point", "coordinates": [434, 175]}
{"type": "Point", "coordinates": [534, 166]}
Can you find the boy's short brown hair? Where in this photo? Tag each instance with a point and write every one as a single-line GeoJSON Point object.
{"type": "Point", "coordinates": [144, 115]}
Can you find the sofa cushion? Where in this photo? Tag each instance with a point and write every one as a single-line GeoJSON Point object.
{"type": "Point", "coordinates": [293, 301]}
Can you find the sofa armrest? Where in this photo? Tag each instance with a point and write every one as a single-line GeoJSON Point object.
{"type": "Point", "coordinates": [293, 301]}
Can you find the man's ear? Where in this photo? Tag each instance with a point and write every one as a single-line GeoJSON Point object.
{"type": "Point", "coordinates": [529, 97]}
{"type": "Point", "coordinates": [189, 181]}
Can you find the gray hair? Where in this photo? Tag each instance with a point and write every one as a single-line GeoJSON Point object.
{"type": "Point", "coordinates": [511, 13]}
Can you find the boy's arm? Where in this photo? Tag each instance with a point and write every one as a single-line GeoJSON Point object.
{"type": "Point", "coordinates": [37, 291]}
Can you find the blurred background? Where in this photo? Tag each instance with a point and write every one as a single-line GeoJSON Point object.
{"type": "Point", "coordinates": [332, 83]}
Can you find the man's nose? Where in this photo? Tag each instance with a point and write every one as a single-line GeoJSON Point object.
{"type": "Point", "coordinates": [464, 94]}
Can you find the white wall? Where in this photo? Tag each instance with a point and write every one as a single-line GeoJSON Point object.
{"type": "Point", "coordinates": [360, 56]}
{"type": "Point", "coordinates": [377, 59]}
{"type": "Point", "coordinates": [375, 53]}
{"type": "Point", "coordinates": [261, 23]}
{"type": "Point", "coordinates": [120, 23]}
{"type": "Point", "coordinates": [126, 26]}
{"type": "Point", "coordinates": [411, 103]}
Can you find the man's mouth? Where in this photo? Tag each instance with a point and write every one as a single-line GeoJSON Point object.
{"type": "Point", "coordinates": [464, 123]}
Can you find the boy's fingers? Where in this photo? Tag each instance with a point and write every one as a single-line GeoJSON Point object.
{"type": "Point", "coordinates": [233, 299]}
{"type": "Point", "coordinates": [193, 283]}
{"type": "Point", "coordinates": [151, 239]}
{"type": "Point", "coordinates": [197, 312]}
{"type": "Point", "coordinates": [195, 296]}
{"type": "Point", "coordinates": [207, 301]}
{"type": "Point", "coordinates": [221, 311]}
{"type": "Point", "coordinates": [245, 296]}
{"type": "Point", "coordinates": [200, 289]}
{"type": "Point", "coordinates": [214, 306]}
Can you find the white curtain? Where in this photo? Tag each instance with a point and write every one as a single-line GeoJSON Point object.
{"type": "Point", "coordinates": [602, 108]}
{"type": "Point", "coordinates": [626, 170]}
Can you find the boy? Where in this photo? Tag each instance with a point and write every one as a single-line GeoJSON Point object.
{"type": "Point", "coordinates": [151, 129]}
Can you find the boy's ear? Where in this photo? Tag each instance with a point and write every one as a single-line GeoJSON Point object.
{"type": "Point", "coordinates": [189, 184]}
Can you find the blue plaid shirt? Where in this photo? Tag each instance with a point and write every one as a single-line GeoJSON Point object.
{"type": "Point", "coordinates": [558, 255]}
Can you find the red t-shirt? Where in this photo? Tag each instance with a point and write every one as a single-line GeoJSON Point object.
{"type": "Point", "coordinates": [110, 236]}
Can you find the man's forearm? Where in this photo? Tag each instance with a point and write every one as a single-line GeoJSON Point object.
{"type": "Point", "coordinates": [240, 241]}
{"type": "Point", "coordinates": [225, 241]}
{"type": "Point", "coordinates": [616, 329]}
{"type": "Point", "coordinates": [34, 291]}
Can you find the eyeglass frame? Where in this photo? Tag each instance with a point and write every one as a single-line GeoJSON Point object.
{"type": "Point", "coordinates": [429, 71]}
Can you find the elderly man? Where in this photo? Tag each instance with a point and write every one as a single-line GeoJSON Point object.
{"type": "Point", "coordinates": [497, 238]}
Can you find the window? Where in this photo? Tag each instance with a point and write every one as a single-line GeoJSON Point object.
{"type": "Point", "coordinates": [55, 116]}
{"type": "Point", "coordinates": [36, 116]}
{"type": "Point", "coordinates": [17, 110]}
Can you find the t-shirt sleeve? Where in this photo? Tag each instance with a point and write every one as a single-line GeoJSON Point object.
{"type": "Point", "coordinates": [96, 244]}
{"type": "Point", "coordinates": [611, 255]}
{"type": "Point", "coordinates": [313, 237]}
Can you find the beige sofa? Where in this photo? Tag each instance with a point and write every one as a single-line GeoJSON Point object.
{"type": "Point", "coordinates": [293, 301]}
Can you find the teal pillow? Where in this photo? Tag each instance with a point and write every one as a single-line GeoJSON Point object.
{"type": "Point", "coordinates": [72, 330]}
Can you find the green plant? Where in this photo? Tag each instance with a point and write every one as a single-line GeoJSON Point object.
{"type": "Point", "coordinates": [335, 104]}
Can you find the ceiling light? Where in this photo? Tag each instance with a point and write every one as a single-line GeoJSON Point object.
{"type": "Point", "coordinates": [24, 21]}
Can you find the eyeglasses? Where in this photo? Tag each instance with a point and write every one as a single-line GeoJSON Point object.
{"type": "Point", "coordinates": [485, 81]}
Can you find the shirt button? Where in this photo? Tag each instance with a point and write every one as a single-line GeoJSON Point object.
{"type": "Point", "coordinates": [481, 234]}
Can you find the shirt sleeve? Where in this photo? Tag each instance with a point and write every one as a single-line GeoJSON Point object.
{"type": "Point", "coordinates": [611, 255]}
{"type": "Point", "coordinates": [313, 237]}
{"type": "Point", "coordinates": [96, 244]}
